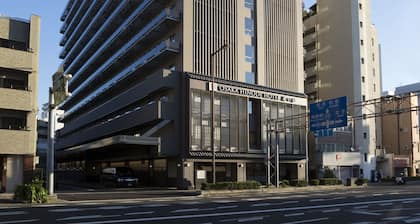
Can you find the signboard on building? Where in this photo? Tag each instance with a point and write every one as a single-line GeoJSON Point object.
{"type": "Point", "coordinates": [328, 114]}
{"type": "Point", "coordinates": [401, 161]}
{"type": "Point", "coordinates": [341, 158]}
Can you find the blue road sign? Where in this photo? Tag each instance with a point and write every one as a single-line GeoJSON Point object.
{"type": "Point", "coordinates": [328, 114]}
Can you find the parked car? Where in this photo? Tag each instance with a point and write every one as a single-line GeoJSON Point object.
{"type": "Point", "coordinates": [118, 177]}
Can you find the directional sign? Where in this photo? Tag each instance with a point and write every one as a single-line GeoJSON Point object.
{"type": "Point", "coordinates": [328, 114]}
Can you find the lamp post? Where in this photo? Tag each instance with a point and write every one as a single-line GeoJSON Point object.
{"type": "Point", "coordinates": [52, 107]}
{"type": "Point", "coordinates": [212, 73]}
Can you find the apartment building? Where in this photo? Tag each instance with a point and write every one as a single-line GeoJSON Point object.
{"type": "Point", "coordinates": [407, 89]}
{"type": "Point", "coordinates": [19, 55]}
{"type": "Point", "coordinates": [400, 135]}
{"type": "Point", "coordinates": [141, 89]}
{"type": "Point", "coordinates": [343, 59]}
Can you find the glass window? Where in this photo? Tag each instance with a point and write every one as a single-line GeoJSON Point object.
{"type": "Point", "coordinates": [296, 130]}
{"type": "Point", "coordinates": [249, 4]}
{"type": "Point", "coordinates": [195, 121]}
{"type": "Point", "coordinates": [224, 123]}
{"type": "Point", "coordinates": [205, 122]}
{"type": "Point", "coordinates": [250, 77]}
{"type": "Point", "coordinates": [217, 122]}
{"type": "Point", "coordinates": [243, 139]}
{"type": "Point", "coordinates": [234, 124]}
{"type": "Point", "coordinates": [250, 53]}
{"type": "Point", "coordinates": [249, 26]}
{"type": "Point", "coordinates": [302, 130]}
{"type": "Point", "coordinates": [254, 119]}
{"type": "Point", "coordinates": [288, 126]}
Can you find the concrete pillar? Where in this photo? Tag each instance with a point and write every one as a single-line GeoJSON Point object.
{"type": "Point", "coordinates": [188, 177]}
{"type": "Point", "coordinates": [301, 170]}
{"type": "Point", "coordinates": [241, 172]}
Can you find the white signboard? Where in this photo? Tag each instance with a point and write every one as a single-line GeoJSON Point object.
{"type": "Point", "coordinates": [341, 158]}
{"type": "Point", "coordinates": [201, 174]}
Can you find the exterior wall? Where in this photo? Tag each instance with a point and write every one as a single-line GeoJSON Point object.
{"type": "Point", "coordinates": [347, 63]}
{"type": "Point", "coordinates": [14, 172]}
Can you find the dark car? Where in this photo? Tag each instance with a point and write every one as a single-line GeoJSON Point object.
{"type": "Point", "coordinates": [118, 177]}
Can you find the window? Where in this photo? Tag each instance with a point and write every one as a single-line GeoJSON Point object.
{"type": "Point", "coordinates": [373, 71]}
{"type": "Point", "coordinates": [366, 159]}
{"type": "Point", "coordinates": [250, 53]}
{"type": "Point", "coordinates": [12, 119]}
{"type": "Point", "coordinates": [373, 56]}
{"type": "Point", "coordinates": [361, 42]}
{"type": "Point", "coordinates": [373, 41]}
{"type": "Point", "coordinates": [13, 79]}
{"type": "Point", "coordinates": [360, 6]}
{"type": "Point", "coordinates": [363, 79]}
{"type": "Point", "coordinates": [17, 45]}
{"type": "Point", "coordinates": [250, 77]}
{"type": "Point", "coordinates": [365, 135]}
{"type": "Point", "coordinates": [254, 119]}
{"type": "Point", "coordinates": [374, 87]}
{"type": "Point", "coordinates": [363, 60]}
{"type": "Point", "coordinates": [361, 24]}
{"type": "Point", "coordinates": [249, 26]}
{"type": "Point", "coordinates": [309, 31]}
{"type": "Point", "coordinates": [363, 98]}
{"type": "Point", "coordinates": [249, 4]}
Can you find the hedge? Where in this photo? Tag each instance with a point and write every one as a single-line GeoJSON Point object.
{"type": "Point", "coordinates": [299, 183]}
{"type": "Point", "coordinates": [314, 182]}
{"type": "Point", "coordinates": [31, 193]}
{"type": "Point", "coordinates": [330, 181]}
{"type": "Point", "coordinates": [361, 181]}
{"type": "Point", "coordinates": [284, 183]}
{"type": "Point", "coordinates": [231, 185]}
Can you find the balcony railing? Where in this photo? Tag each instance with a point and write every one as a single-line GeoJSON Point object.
{"type": "Point", "coordinates": [69, 15]}
{"type": "Point", "coordinates": [80, 13]}
{"type": "Point", "coordinates": [165, 46]}
{"type": "Point", "coordinates": [137, 42]}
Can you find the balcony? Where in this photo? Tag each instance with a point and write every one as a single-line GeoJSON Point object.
{"type": "Point", "coordinates": [66, 11]}
{"type": "Point", "coordinates": [68, 41]}
{"type": "Point", "coordinates": [311, 88]}
{"type": "Point", "coordinates": [136, 21]}
{"type": "Point", "coordinates": [310, 55]}
{"type": "Point", "coordinates": [311, 71]}
{"type": "Point", "coordinates": [81, 11]}
{"type": "Point", "coordinates": [138, 43]}
{"type": "Point", "coordinates": [70, 15]}
{"type": "Point", "coordinates": [147, 63]}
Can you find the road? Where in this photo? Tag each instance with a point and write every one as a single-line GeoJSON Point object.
{"type": "Point", "coordinates": [381, 204]}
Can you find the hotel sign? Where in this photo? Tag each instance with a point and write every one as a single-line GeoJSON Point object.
{"type": "Point", "coordinates": [239, 91]}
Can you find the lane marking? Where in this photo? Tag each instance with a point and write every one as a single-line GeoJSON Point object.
{"type": "Point", "coordinates": [66, 210]}
{"type": "Point", "coordinates": [361, 207]}
{"type": "Point", "coordinates": [412, 220]}
{"type": "Point", "coordinates": [261, 205]}
{"type": "Point", "coordinates": [19, 221]}
{"type": "Point", "coordinates": [113, 207]}
{"type": "Point", "coordinates": [13, 213]}
{"type": "Point", "coordinates": [365, 213]}
{"type": "Point", "coordinates": [307, 221]}
{"type": "Point", "coordinates": [408, 202]}
{"type": "Point", "coordinates": [226, 207]}
{"type": "Point", "coordinates": [154, 205]}
{"type": "Point", "coordinates": [139, 213]}
{"type": "Point", "coordinates": [248, 212]}
{"type": "Point", "coordinates": [185, 210]}
{"type": "Point", "coordinates": [259, 218]}
{"type": "Point", "coordinates": [317, 199]}
{"type": "Point", "coordinates": [87, 217]}
{"type": "Point", "coordinates": [294, 214]}
{"type": "Point", "coordinates": [386, 204]}
{"type": "Point", "coordinates": [396, 218]}
{"type": "Point", "coordinates": [331, 210]}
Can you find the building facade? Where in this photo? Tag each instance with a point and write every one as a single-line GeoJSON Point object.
{"type": "Point", "coordinates": [407, 89]}
{"type": "Point", "coordinates": [400, 135]}
{"type": "Point", "coordinates": [343, 59]}
{"type": "Point", "coordinates": [19, 55]}
{"type": "Point", "coordinates": [141, 89]}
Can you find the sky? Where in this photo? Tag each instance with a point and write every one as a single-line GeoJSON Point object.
{"type": "Point", "coordinates": [396, 21]}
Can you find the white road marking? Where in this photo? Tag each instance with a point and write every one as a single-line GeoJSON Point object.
{"type": "Point", "coordinates": [19, 221]}
{"type": "Point", "coordinates": [317, 199]}
{"type": "Point", "coordinates": [261, 204]}
{"type": "Point", "coordinates": [227, 207]}
{"type": "Point", "coordinates": [13, 213]}
{"type": "Point", "coordinates": [294, 214]}
{"type": "Point", "coordinates": [251, 219]}
{"type": "Point", "coordinates": [307, 221]}
{"type": "Point", "coordinates": [386, 204]}
{"type": "Point", "coordinates": [154, 205]}
{"type": "Point", "coordinates": [113, 207]}
{"type": "Point", "coordinates": [248, 212]}
{"type": "Point", "coordinates": [66, 210]}
{"type": "Point", "coordinates": [190, 203]}
{"type": "Point", "coordinates": [139, 213]}
{"type": "Point", "coordinates": [87, 217]}
{"type": "Point", "coordinates": [376, 195]}
{"type": "Point", "coordinates": [408, 202]}
{"type": "Point", "coordinates": [223, 201]}
{"type": "Point", "coordinates": [363, 222]}
{"type": "Point", "coordinates": [361, 207]}
{"type": "Point", "coordinates": [365, 213]}
{"type": "Point", "coordinates": [331, 210]}
{"type": "Point", "coordinates": [396, 218]}
{"type": "Point", "coordinates": [185, 210]}
{"type": "Point", "coordinates": [412, 220]}
{"type": "Point", "coordinates": [252, 199]}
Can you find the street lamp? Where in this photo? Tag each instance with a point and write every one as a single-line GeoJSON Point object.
{"type": "Point", "coordinates": [52, 107]}
{"type": "Point", "coordinates": [212, 73]}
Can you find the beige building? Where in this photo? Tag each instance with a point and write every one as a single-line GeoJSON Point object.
{"type": "Point", "coordinates": [400, 135]}
{"type": "Point", "coordinates": [19, 55]}
{"type": "Point", "coordinates": [343, 59]}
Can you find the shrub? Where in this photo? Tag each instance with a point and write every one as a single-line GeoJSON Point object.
{"type": "Point", "coordinates": [231, 185]}
{"type": "Point", "coordinates": [361, 181]}
{"type": "Point", "coordinates": [299, 183]}
{"type": "Point", "coordinates": [31, 193]}
{"type": "Point", "coordinates": [328, 181]}
{"type": "Point", "coordinates": [329, 173]}
{"type": "Point", "coordinates": [284, 183]}
{"type": "Point", "coordinates": [314, 182]}
{"type": "Point", "coordinates": [339, 182]}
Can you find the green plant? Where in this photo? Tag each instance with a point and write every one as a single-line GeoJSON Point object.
{"type": "Point", "coordinates": [328, 181]}
{"type": "Point", "coordinates": [361, 181]}
{"type": "Point", "coordinates": [299, 183]}
{"type": "Point", "coordinates": [231, 185]}
{"type": "Point", "coordinates": [329, 173]}
{"type": "Point", "coordinates": [314, 182]}
{"type": "Point", "coordinates": [31, 193]}
{"type": "Point", "coordinates": [284, 183]}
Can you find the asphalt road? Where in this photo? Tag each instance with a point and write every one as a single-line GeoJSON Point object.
{"type": "Point", "coordinates": [381, 204]}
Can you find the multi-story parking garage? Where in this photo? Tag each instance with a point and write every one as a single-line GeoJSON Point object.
{"type": "Point", "coordinates": [142, 81]}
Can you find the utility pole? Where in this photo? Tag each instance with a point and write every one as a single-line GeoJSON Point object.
{"type": "Point", "coordinates": [212, 73]}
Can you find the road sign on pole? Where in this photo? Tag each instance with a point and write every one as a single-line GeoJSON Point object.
{"type": "Point", "coordinates": [328, 114]}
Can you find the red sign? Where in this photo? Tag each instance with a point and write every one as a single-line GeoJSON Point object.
{"type": "Point", "coordinates": [337, 157]}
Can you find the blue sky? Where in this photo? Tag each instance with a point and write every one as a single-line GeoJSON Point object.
{"type": "Point", "coordinates": [396, 21]}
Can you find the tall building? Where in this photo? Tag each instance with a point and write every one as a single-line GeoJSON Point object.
{"type": "Point", "coordinates": [407, 89]}
{"type": "Point", "coordinates": [142, 81]}
{"type": "Point", "coordinates": [343, 59]}
{"type": "Point", "coordinates": [19, 55]}
{"type": "Point", "coordinates": [400, 135]}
